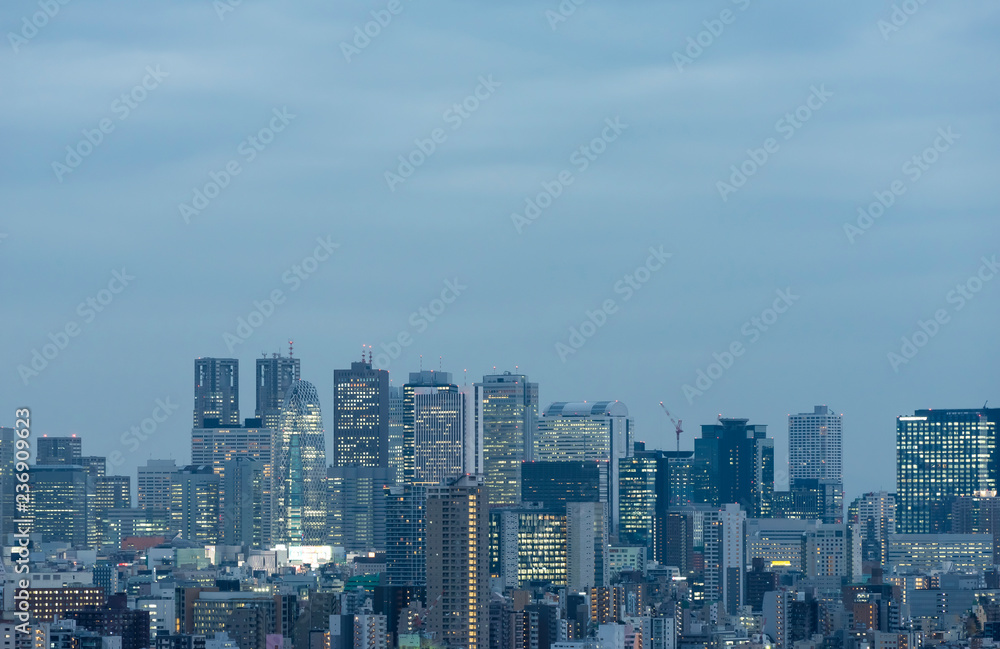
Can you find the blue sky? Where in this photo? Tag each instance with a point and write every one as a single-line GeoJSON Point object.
{"type": "Point", "coordinates": [889, 91]}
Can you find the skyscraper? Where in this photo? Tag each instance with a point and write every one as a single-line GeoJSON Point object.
{"type": "Point", "coordinates": [275, 376]}
{"type": "Point", "coordinates": [300, 486]}
{"type": "Point", "coordinates": [815, 452]}
{"type": "Point", "coordinates": [458, 571]}
{"type": "Point", "coordinates": [356, 507]}
{"type": "Point", "coordinates": [395, 444]}
{"type": "Point", "coordinates": [506, 409]}
{"type": "Point", "coordinates": [194, 504]}
{"type": "Point", "coordinates": [59, 450]}
{"type": "Point", "coordinates": [876, 520]}
{"type": "Point", "coordinates": [405, 530]}
{"type": "Point", "coordinates": [361, 416]}
{"type": "Point", "coordinates": [216, 392]}
{"type": "Point", "coordinates": [153, 484]}
{"type": "Point", "coordinates": [942, 455]}
{"type": "Point", "coordinates": [59, 502]}
{"type": "Point", "coordinates": [575, 432]}
{"type": "Point", "coordinates": [110, 492]}
{"type": "Point", "coordinates": [740, 462]}
{"type": "Point", "coordinates": [435, 426]}
{"type": "Point", "coordinates": [243, 511]}
{"type": "Point", "coordinates": [723, 535]}
{"type": "Point", "coordinates": [216, 447]}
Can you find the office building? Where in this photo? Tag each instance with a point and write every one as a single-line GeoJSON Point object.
{"type": "Point", "coordinates": [8, 481]}
{"type": "Point", "coordinates": [528, 547]}
{"type": "Point", "coordinates": [49, 603]}
{"type": "Point", "coordinates": [395, 443]}
{"type": "Point", "coordinates": [916, 553]}
{"type": "Point", "coordinates": [60, 498]}
{"type": "Point", "coordinates": [122, 524]}
{"type": "Point", "coordinates": [979, 514]}
{"type": "Point", "coordinates": [556, 483]}
{"type": "Point", "coordinates": [438, 432]}
{"type": "Point", "coordinates": [405, 530]}
{"type": "Point", "coordinates": [360, 416]}
{"type": "Point", "coordinates": [942, 455]}
{"type": "Point", "coordinates": [810, 498]}
{"type": "Point", "coordinates": [364, 631]}
{"type": "Point", "coordinates": [588, 431]}
{"type": "Point", "coordinates": [587, 530]}
{"type": "Point", "coordinates": [116, 619]}
{"type": "Point", "coordinates": [153, 484]}
{"type": "Point", "coordinates": [356, 507]}
{"type": "Point", "coordinates": [59, 450]}
{"type": "Point", "coordinates": [506, 408]}
{"type": "Point", "coordinates": [300, 486]}
{"type": "Point", "coordinates": [194, 504]}
{"type": "Point", "coordinates": [216, 447]}
{"type": "Point", "coordinates": [876, 520]}
{"type": "Point", "coordinates": [242, 502]}
{"type": "Point", "coordinates": [110, 492]}
{"type": "Point", "coordinates": [275, 375]}
{"type": "Point", "coordinates": [458, 575]}
{"type": "Point", "coordinates": [740, 464]}
{"type": "Point", "coordinates": [216, 392]}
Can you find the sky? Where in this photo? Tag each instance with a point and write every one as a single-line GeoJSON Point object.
{"type": "Point", "coordinates": [734, 207]}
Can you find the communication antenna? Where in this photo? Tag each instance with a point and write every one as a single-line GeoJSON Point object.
{"type": "Point", "coordinates": [290, 343]}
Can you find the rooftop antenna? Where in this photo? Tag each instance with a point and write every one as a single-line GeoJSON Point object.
{"type": "Point", "coordinates": [439, 364]}
{"type": "Point", "coordinates": [421, 362]}
{"type": "Point", "coordinates": [369, 354]}
{"type": "Point", "coordinates": [290, 343]}
{"type": "Point", "coordinates": [466, 370]}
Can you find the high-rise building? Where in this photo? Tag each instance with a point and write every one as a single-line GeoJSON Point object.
{"type": "Point", "coordinates": [527, 547]}
{"type": "Point", "coordinates": [153, 484]}
{"type": "Point", "coordinates": [300, 486]}
{"type": "Point", "coordinates": [815, 452]}
{"type": "Point", "coordinates": [435, 414]}
{"type": "Point", "coordinates": [810, 498]}
{"type": "Point", "coordinates": [815, 445]}
{"type": "Point", "coordinates": [110, 492]}
{"type": "Point", "coordinates": [405, 530]}
{"type": "Point", "coordinates": [275, 376]}
{"type": "Point", "coordinates": [576, 432]}
{"type": "Point", "coordinates": [586, 545]}
{"type": "Point", "coordinates": [194, 504]}
{"type": "Point", "coordinates": [216, 447]}
{"type": "Point", "coordinates": [458, 572]}
{"type": "Point", "coordinates": [395, 443]}
{"type": "Point", "coordinates": [242, 502]}
{"type": "Point", "coordinates": [723, 534]}
{"type": "Point", "coordinates": [556, 483]}
{"type": "Point", "coordinates": [979, 514]}
{"type": "Point", "coordinates": [740, 461]}
{"type": "Point", "coordinates": [216, 392]}
{"type": "Point", "coordinates": [60, 503]}
{"type": "Point", "coordinates": [645, 497]}
{"type": "Point", "coordinates": [361, 416]}
{"type": "Point", "coordinates": [8, 482]}
{"type": "Point", "coordinates": [356, 507]}
{"type": "Point", "coordinates": [942, 455]}
{"type": "Point", "coordinates": [506, 409]}
{"type": "Point", "coordinates": [59, 450]}
{"type": "Point", "coordinates": [876, 520]}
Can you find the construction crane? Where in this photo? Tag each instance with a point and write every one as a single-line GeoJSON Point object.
{"type": "Point", "coordinates": [677, 425]}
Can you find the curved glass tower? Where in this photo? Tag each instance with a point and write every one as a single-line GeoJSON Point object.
{"type": "Point", "coordinates": [299, 451]}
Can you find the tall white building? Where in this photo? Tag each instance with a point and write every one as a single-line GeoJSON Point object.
{"type": "Point", "coordinates": [876, 521]}
{"type": "Point", "coordinates": [299, 484]}
{"type": "Point", "coordinates": [439, 432]}
{"type": "Point", "coordinates": [815, 445]}
{"type": "Point", "coordinates": [153, 484]}
{"type": "Point", "coordinates": [725, 565]}
{"type": "Point", "coordinates": [506, 409]}
{"type": "Point", "coordinates": [577, 432]}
